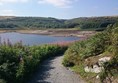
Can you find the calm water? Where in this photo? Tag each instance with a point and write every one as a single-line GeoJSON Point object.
{"type": "Point", "coordinates": [33, 39]}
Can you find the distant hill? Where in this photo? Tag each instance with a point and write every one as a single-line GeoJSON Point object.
{"type": "Point", "coordinates": [6, 17]}
{"type": "Point", "coordinates": [30, 22]}
{"type": "Point", "coordinates": [93, 23]}
{"type": "Point", "coordinates": [83, 23]}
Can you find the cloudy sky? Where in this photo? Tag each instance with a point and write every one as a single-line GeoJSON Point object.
{"type": "Point", "coordinates": [59, 8]}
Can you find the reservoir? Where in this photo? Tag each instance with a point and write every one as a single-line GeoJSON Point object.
{"type": "Point", "coordinates": [33, 39]}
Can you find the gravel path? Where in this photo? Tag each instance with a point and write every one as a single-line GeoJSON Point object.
{"type": "Point", "coordinates": [52, 71]}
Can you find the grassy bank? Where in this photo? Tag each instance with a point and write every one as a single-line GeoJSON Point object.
{"type": "Point", "coordinates": [88, 52]}
{"type": "Point", "coordinates": [18, 62]}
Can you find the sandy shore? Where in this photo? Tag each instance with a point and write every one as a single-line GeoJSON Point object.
{"type": "Point", "coordinates": [3, 31]}
{"type": "Point", "coordinates": [55, 32]}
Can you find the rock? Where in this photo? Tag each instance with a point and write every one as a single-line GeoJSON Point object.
{"type": "Point", "coordinates": [97, 69]}
{"type": "Point", "coordinates": [97, 77]}
{"type": "Point", "coordinates": [103, 60]}
{"type": "Point", "coordinates": [87, 69]}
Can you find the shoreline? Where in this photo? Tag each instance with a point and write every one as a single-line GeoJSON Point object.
{"type": "Point", "coordinates": [55, 32]}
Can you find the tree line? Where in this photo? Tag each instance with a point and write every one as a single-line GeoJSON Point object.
{"type": "Point", "coordinates": [83, 23]}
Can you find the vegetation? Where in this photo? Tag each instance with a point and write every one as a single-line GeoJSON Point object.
{"type": "Point", "coordinates": [18, 62]}
{"type": "Point", "coordinates": [105, 43]}
{"type": "Point", "coordinates": [92, 23]}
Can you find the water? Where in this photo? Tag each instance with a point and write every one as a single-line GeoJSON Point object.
{"type": "Point", "coordinates": [33, 39]}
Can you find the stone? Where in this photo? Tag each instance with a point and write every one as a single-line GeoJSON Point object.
{"type": "Point", "coordinates": [101, 61]}
{"type": "Point", "coordinates": [87, 69]}
{"type": "Point", "coordinates": [97, 77]}
{"type": "Point", "coordinates": [95, 69]}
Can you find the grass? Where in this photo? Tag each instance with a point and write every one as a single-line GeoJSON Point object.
{"type": "Point", "coordinates": [88, 77]}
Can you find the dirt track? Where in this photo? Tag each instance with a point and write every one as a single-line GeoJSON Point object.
{"type": "Point", "coordinates": [52, 71]}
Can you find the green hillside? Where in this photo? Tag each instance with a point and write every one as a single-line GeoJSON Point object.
{"type": "Point", "coordinates": [93, 23]}
{"type": "Point", "coordinates": [96, 58]}
{"type": "Point", "coordinates": [83, 23]}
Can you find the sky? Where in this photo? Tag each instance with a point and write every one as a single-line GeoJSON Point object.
{"type": "Point", "coordinates": [62, 9]}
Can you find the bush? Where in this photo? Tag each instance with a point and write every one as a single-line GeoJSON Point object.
{"type": "Point", "coordinates": [18, 62]}
{"type": "Point", "coordinates": [106, 41]}
{"type": "Point", "coordinates": [84, 49]}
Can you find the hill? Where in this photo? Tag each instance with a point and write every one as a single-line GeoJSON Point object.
{"type": "Point", "coordinates": [93, 23]}
{"type": "Point", "coordinates": [83, 23]}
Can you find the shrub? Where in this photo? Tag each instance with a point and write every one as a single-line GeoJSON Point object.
{"type": "Point", "coordinates": [106, 41]}
{"type": "Point", "coordinates": [18, 62]}
{"type": "Point", "coordinates": [84, 49]}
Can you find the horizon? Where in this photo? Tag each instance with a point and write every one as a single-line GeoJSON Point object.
{"type": "Point", "coordinates": [61, 9]}
{"type": "Point", "coordinates": [62, 18]}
